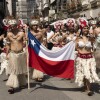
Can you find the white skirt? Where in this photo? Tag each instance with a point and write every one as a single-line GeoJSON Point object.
{"type": "Point", "coordinates": [86, 68]}
{"type": "Point", "coordinates": [4, 63]}
{"type": "Point", "coordinates": [16, 80]}
{"type": "Point", "coordinates": [17, 63]}
{"type": "Point", "coordinates": [37, 74]}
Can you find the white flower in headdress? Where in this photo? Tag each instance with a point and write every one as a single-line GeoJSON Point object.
{"type": "Point", "coordinates": [12, 22]}
{"type": "Point", "coordinates": [34, 22]}
{"type": "Point", "coordinates": [93, 22]}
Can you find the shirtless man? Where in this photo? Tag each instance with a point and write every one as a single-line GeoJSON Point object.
{"type": "Point", "coordinates": [37, 75]}
{"type": "Point", "coordinates": [16, 57]}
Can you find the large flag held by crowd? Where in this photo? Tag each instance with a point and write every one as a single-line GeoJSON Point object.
{"type": "Point", "coordinates": [58, 63]}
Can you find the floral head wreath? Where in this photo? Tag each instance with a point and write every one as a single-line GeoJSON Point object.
{"type": "Point", "coordinates": [70, 22]}
{"type": "Point", "coordinates": [12, 22]}
{"type": "Point", "coordinates": [93, 22]}
{"type": "Point", "coordinates": [57, 24]}
{"type": "Point", "coordinates": [34, 20]}
{"type": "Point", "coordinates": [82, 22]}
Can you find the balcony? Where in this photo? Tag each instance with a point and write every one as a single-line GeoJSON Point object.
{"type": "Point", "coordinates": [93, 3]}
{"type": "Point", "coordinates": [85, 7]}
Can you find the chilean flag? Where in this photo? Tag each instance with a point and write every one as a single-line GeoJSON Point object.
{"type": "Point", "coordinates": [58, 63]}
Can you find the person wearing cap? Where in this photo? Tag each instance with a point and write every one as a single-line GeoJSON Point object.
{"type": "Point", "coordinates": [17, 66]}
{"type": "Point", "coordinates": [36, 75]}
{"type": "Point", "coordinates": [85, 61]}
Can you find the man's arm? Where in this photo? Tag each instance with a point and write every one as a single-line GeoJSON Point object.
{"type": "Point", "coordinates": [1, 37]}
{"type": "Point", "coordinates": [8, 45]}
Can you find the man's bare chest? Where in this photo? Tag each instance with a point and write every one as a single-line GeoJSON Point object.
{"type": "Point", "coordinates": [17, 37]}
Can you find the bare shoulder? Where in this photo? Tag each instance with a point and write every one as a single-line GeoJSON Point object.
{"type": "Point", "coordinates": [44, 30]}
{"type": "Point", "coordinates": [40, 33]}
{"type": "Point", "coordinates": [22, 33]}
{"type": "Point", "coordinates": [78, 39]}
{"type": "Point", "coordinates": [9, 34]}
{"type": "Point", "coordinates": [97, 29]}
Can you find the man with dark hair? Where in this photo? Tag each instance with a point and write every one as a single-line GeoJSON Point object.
{"type": "Point", "coordinates": [37, 75]}
{"type": "Point", "coordinates": [16, 57]}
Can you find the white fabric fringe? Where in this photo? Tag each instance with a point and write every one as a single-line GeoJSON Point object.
{"type": "Point", "coordinates": [16, 80]}
{"type": "Point", "coordinates": [4, 63]}
{"type": "Point", "coordinates": [17, 63]}
{"type": "Point", "coordinates": [37, 74]}
{"type": "Point", "coordinates": [86, 68]}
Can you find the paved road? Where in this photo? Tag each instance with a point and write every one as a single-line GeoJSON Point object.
{"type": "Point", "coordinates": [51, 89]}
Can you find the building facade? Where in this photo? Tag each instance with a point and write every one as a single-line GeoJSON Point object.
{"type": "Point", "coordinates": [50, 9]}
{"type": "Point", "coordinates": [2, 9]}
{"type": "Point", "coordinates": [91, 8]}
{"type": "Point", "coordinates": [75, 8]}
{"type": "Point", "coordinates": [43, 8]}
{"type": "Point", "coordinates": [9, 7]}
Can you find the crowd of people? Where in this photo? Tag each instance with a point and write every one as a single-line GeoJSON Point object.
{"type": "Point", "coordinates": [13, 48]}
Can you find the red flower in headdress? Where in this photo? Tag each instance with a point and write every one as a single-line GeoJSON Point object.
{"type": "Point", "coordinates": [82, 22]}
{"type": "Point", "coordinates": [20, 23]}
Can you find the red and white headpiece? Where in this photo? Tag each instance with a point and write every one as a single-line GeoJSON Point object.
{"type": "Point", "coordinates": [16, 22]}
{"type": "Point", "coordinates": [9, 23]}
{"type": "Point", "coordinates": [12, 22]}
{"type": "Point", "coordinates": [20, 23]}
{"type": "Point", "coordinates": [70, 22]}
{"type": "Point", "coordinates": [82, 22]}
{"type": "Point", "coordinates": [58, 24]}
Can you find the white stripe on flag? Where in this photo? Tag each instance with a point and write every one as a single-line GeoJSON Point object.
{"type": "Point", "coordinates": [65, 53]}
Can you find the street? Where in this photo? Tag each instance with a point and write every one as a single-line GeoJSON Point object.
{"type": "Point", "coordinates": [58, 37]}
{"type": "Point", "coordinates": [51, 89]}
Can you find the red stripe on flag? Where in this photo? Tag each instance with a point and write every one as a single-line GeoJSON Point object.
{"type": "Point", "coordinates": [62, 69]}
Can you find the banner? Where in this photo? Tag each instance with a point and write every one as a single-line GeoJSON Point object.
{"type": "Point", "coordinates": [58, 63]}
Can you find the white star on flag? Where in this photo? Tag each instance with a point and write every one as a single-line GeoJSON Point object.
{"type": "Point", "coordinates": [33, 43]}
